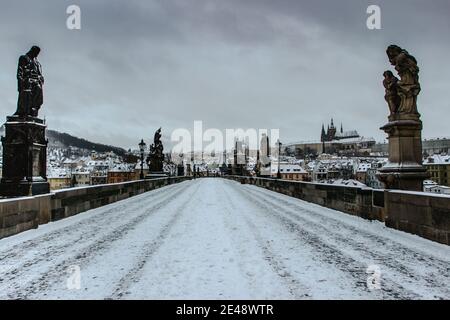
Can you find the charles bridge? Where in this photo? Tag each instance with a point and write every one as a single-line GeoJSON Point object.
{"type": "Point", "coordinates": [423, 214]}
{"type": "Point", "coordinates": [400, 206]}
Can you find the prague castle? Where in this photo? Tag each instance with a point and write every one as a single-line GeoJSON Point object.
{"type": "Point", "coordinates": [333, 141]}
{"type": "Point", "coordinates": [332, 134]}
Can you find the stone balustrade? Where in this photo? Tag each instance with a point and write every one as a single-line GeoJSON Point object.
{"type": "Point", "coordinates": [24, 213]}
{"type": "Point", "coordinates": [423, 214]}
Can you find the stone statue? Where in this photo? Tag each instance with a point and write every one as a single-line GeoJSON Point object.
{"type": "Point", "coordinates": [157, 137]}
{"type": "Point", "coordinates": [24, 143]}
{"type": "Point", "coordinates": [408, 87]}
{"type": "Point", "coordinates": [156, 157]}
{"type": "Point", "coordinates": [404, 170]}
{"type": "Point", "coordinates": [29, 83]}
{"type": "Point", "coordinates": [390, 83]}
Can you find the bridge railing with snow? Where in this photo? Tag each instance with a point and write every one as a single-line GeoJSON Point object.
{"type": "Point", "coordinates": [423, 214]}
{"type": "Point", "coordinates": [21, 214]}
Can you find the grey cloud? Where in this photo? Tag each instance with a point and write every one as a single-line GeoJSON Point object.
{"type": "Point", "coordinates": [138, 65]}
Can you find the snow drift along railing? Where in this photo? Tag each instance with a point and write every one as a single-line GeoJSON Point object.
{"type": "Point", "coordinates": [21, 214]}
{"type": "Point", "coordinates": [423, 214]}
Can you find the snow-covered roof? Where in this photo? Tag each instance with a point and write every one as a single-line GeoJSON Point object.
{"type": "Point", "coordinates": [121, 168]}
{"type": "Point", "coordinates": [69, 161]}
{"type": "Point", "coordinates": [363, 167]}
{"type": "Point", "coordinates": [439, 187]}
{"type": "Point", "coordinates": [349, 182]}
{"type": "Point", "coordinates": [354, 140]}
{"type": "Point", "coordinates": [437, 159]}
{"type": "Point", "coordinates": [287, 168]}
{"type": "Point", "coordinates": [57, 173]}
{"type": "Point", "coordinates": [347, 134]}
{"type": "Point", "coordinates": [81, 172]}
{"type": "Point", "coordinates": [138, 166]}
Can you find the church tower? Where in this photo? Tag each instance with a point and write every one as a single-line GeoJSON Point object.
{"type": "Point", "coordinates": [323, 135]}
{"type": "Point", "coordinates": [331, 131]}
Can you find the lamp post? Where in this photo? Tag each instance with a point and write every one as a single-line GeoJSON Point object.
{"type": "Point", "coordinates": [279, 159]}
{"type": "Point", "coordinates": [142, 149]}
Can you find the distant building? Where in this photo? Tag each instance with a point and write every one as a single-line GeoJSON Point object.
{"type": "Point", "coordinates": [81, 178]}
{"type": "Point", "coordinates": [99, 179]}
{"type": "Point", "coordinates": [352, 146]}
{"type": "Point", "coordinates": [439, 168]}
{"type": "Point", "coordinates": [319, 172]}
{"type": "Point", "coordinates": [304, 149]}
{"type": "Point", "coordinates": [71, 164]}
{"type": "Point", "coordinates": [348, 183]}
{"type": "Point", "coordinates": [429, 147]}
{"type": "Point", "coordinates": [58, 178]}
{"type": "Point", "coordinates": [441, 190]}
{"type": "Point", "coordinates": [361, 172]}
{"type": "Point", "coordinates": [372, 180]}
{"type": "Point", "coordinates": [433, 187]}
{"type": "Point", "coordinates": [427, 184]}
{"type": "Point", "coordinates": [436, 146]}
{"type": "Point", "coordinates": [332, 141]}
{"type": "Point", "coordinates": [366, 173]}
{"type": "Point", "coordinates": [332, 134]}
{"type": "Point", "coordinates": [120, 173]}
{"type": "Point", "coordinates": [289, 171]}
{"type": "Point", "coordinates": [137, 170]}
{"type": "Point", "coordinates": [57, 183]}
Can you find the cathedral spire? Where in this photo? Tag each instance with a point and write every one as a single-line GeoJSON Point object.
{"type": "Point", "coordinates": [323, 134]}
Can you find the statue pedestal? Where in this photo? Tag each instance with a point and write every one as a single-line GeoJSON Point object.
{"type": "Point", "coordinates": [237, 170]}
{"type": "Point", "coordinates": [24, 157]}
{"type": "Point", "coordinates": [180, 170]}
{"type": "Point", "coordinates": [404, 170]}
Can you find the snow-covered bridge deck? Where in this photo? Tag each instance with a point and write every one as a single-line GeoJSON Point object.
{"type": "Point", "coordinates": [214, 238]}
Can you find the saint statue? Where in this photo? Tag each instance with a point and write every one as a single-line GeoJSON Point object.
{"type": "Point", "coordinates": [408, 87]}
{"type": "Point", "coordinates": [156, 155]}
{"type": "Point", "coordinates": [29, 83]}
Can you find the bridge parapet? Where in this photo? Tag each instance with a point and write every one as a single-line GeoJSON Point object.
{"type": "Point", "coordinates": [420, 213]}
{"type": "Point", "coordinates": [423, 214]}
{"type": "Point", "coordinates": [21, 214]}
{"type": "Point", "coordinates": [356, 201]}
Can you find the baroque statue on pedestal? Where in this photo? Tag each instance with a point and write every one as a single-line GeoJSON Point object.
{"type": "Point", "coordinates": [29, 84]}
{"type": "Point", "coordinates": [401, 95]}
{"type": "Point", "coordinates": [404, 169]}
{"type": "Point", "coordinates": [156, 157]}
{"type": "Point", "coordinates": [24, 143]}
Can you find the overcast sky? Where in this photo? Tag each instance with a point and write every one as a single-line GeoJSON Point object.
{"type": "Point", "coordinates": [284, 64]}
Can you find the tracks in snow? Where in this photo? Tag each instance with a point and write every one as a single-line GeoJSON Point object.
{"type": "Point", "coordinates": [233, 238]}
{"type": "Point", "coordinates": [353, 249]}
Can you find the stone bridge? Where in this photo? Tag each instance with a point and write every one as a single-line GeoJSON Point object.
{"type": "Point", "coordinates": [234, 238]}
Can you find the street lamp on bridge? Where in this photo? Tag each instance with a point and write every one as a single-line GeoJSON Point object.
{"type": "Point", "coordinates": [142, 150]}
{"type": "Point", "coordinates": [279, 159]}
